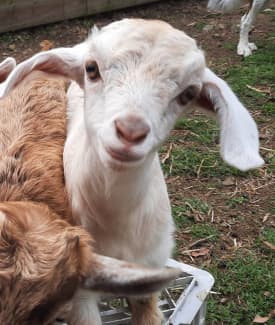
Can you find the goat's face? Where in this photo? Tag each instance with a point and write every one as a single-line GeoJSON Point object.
{"type": "Point", "coordinates": [134, 88]}
{"type": "Point", "coordinates": [40, 263]}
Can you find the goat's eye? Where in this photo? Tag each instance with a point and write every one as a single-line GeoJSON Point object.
{"type": "Point", "coordinates": [188, 94]}
{"type": "Point", "coordinates": [92, 70]}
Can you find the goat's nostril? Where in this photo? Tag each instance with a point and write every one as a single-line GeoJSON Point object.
{"type": "Point", "coordinates": [131, 129]}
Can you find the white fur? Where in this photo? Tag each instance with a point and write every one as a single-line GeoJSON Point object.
{"type": "Point", "coordinates": [6, 67]}
{"type": "Point", "coordinates": [144, 67]}
{"type": "Point", "coordinates": [245, 48]}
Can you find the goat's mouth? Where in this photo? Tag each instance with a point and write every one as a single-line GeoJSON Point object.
{"type": "Point", "coordinates": [123, 155]}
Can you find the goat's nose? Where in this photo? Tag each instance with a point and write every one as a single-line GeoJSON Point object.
{"type": "Point", "coordinates": [132, 129]}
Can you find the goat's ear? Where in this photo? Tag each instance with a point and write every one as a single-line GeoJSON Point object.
{"type": "Point", "coordinates": [66, 62]}
{"type": "Point", "coordinates": [239, 135]}
{"type": "Point", "coordinates": [6, 67]}
{"type": "Point", "coordinates": [112, 276]}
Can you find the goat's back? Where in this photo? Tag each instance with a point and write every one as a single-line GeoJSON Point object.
{"type": "Point", "coordinates": [32, 135]}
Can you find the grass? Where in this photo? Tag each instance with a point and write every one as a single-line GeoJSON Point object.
{"type": "Point", "coordinates": [183, 213]}
{"type": "Point", "coordinates": [235, 201]}
{"type": "Point", "coordinates": [203, 161]}
{"type": "Point", "coordinates": [268, 234]}
{"type": "Point", "coordinates": [248, 284]}
{"type": "Point", "coordinates": [204, 230]}
{"type": "Point", "coordinates": [256, 71]}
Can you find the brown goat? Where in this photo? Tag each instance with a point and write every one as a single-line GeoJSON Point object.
{"type": "Point", "coordinates": [44, 256]}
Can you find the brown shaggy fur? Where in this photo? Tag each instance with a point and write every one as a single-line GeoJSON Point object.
{"type": "Point", "coordinates": [32, 135]}
{"type": "Point", "coordinates": [42, 258]}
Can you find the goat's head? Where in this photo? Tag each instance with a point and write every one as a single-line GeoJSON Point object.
{"type": "Point", "coordinates": [43, 260]}
{"type": "Point", "coordinates": [134, 88]}
{"type": "Point", "coordinates": [138, 77]}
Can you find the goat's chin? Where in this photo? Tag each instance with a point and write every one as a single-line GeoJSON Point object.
{"type": "Point", "coordinates": [118, 162]}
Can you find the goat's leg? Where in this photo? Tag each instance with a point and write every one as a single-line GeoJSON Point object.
{"type": "Point", "coordinates": [244, 47]}
{"type": "Point", "coordinates": [85, 310]}
{"type": "Point", "coordinates": [145, 311]}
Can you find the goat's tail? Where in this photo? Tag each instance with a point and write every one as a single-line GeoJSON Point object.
{"type": "Point", "coordinates": [224, 5]}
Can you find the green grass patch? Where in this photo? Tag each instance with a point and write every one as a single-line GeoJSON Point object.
{"type": "Point", "coordinates": [230, 45]}
{"type": "Point", "coordinates": [199, 162]}
{"type": "Point", "coordinates": [250, 280]}
{"type": "Point", "coordinates": [200, 26]}
{"type": "Point", "coordinates": [198, 129]}
{"type": "Point", "coordinates": [236, 201]}
{"type": "Point", "coordinates": [256, 71]}
{"type": "Point", "coordinates": [184, 213]}
{"type": "Point", "coordinates": [7, 37]}
{"type": "Point", "coordinates": [204, 230]}
{"type": "Point", "coordinates": [181, 218]}
{"type": "Point", "coordinates": [268, 234]}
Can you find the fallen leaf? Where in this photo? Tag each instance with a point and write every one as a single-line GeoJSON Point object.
{"type": "Point", "coordinates": [228, 181]}
{"type": "Point", "coordinates": [223, 300]}
{"type": "Point", "coordinates": [266, 216]}
{"type": "Point", "coordinates": [269, 245]}
{"type": "Point", "coordinates": [260, 320]}
{"type": "Point", "coordinates": [46, 45]}
{"type": "Point", "coordinates": [201, 252]}
{"type": "Point", "coordinates": [12, 47]}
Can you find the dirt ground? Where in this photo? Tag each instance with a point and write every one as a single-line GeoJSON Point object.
{"type": "Point", "coordinates": [212, 31]}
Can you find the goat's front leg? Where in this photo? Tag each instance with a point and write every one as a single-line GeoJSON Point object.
{"type": "Point", "coordinates": [245, 48]}
{"type": "Point", "coordinates": [145, 311]}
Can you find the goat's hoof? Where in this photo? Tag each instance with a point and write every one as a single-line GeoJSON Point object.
{"type": "Point", "coordinates": [246, 49]}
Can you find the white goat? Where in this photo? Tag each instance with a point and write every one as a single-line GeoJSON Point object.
{"type": "Point", "coordinates": [136, 78]}
{"type": "Point", "coordinates": [245, 48]}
